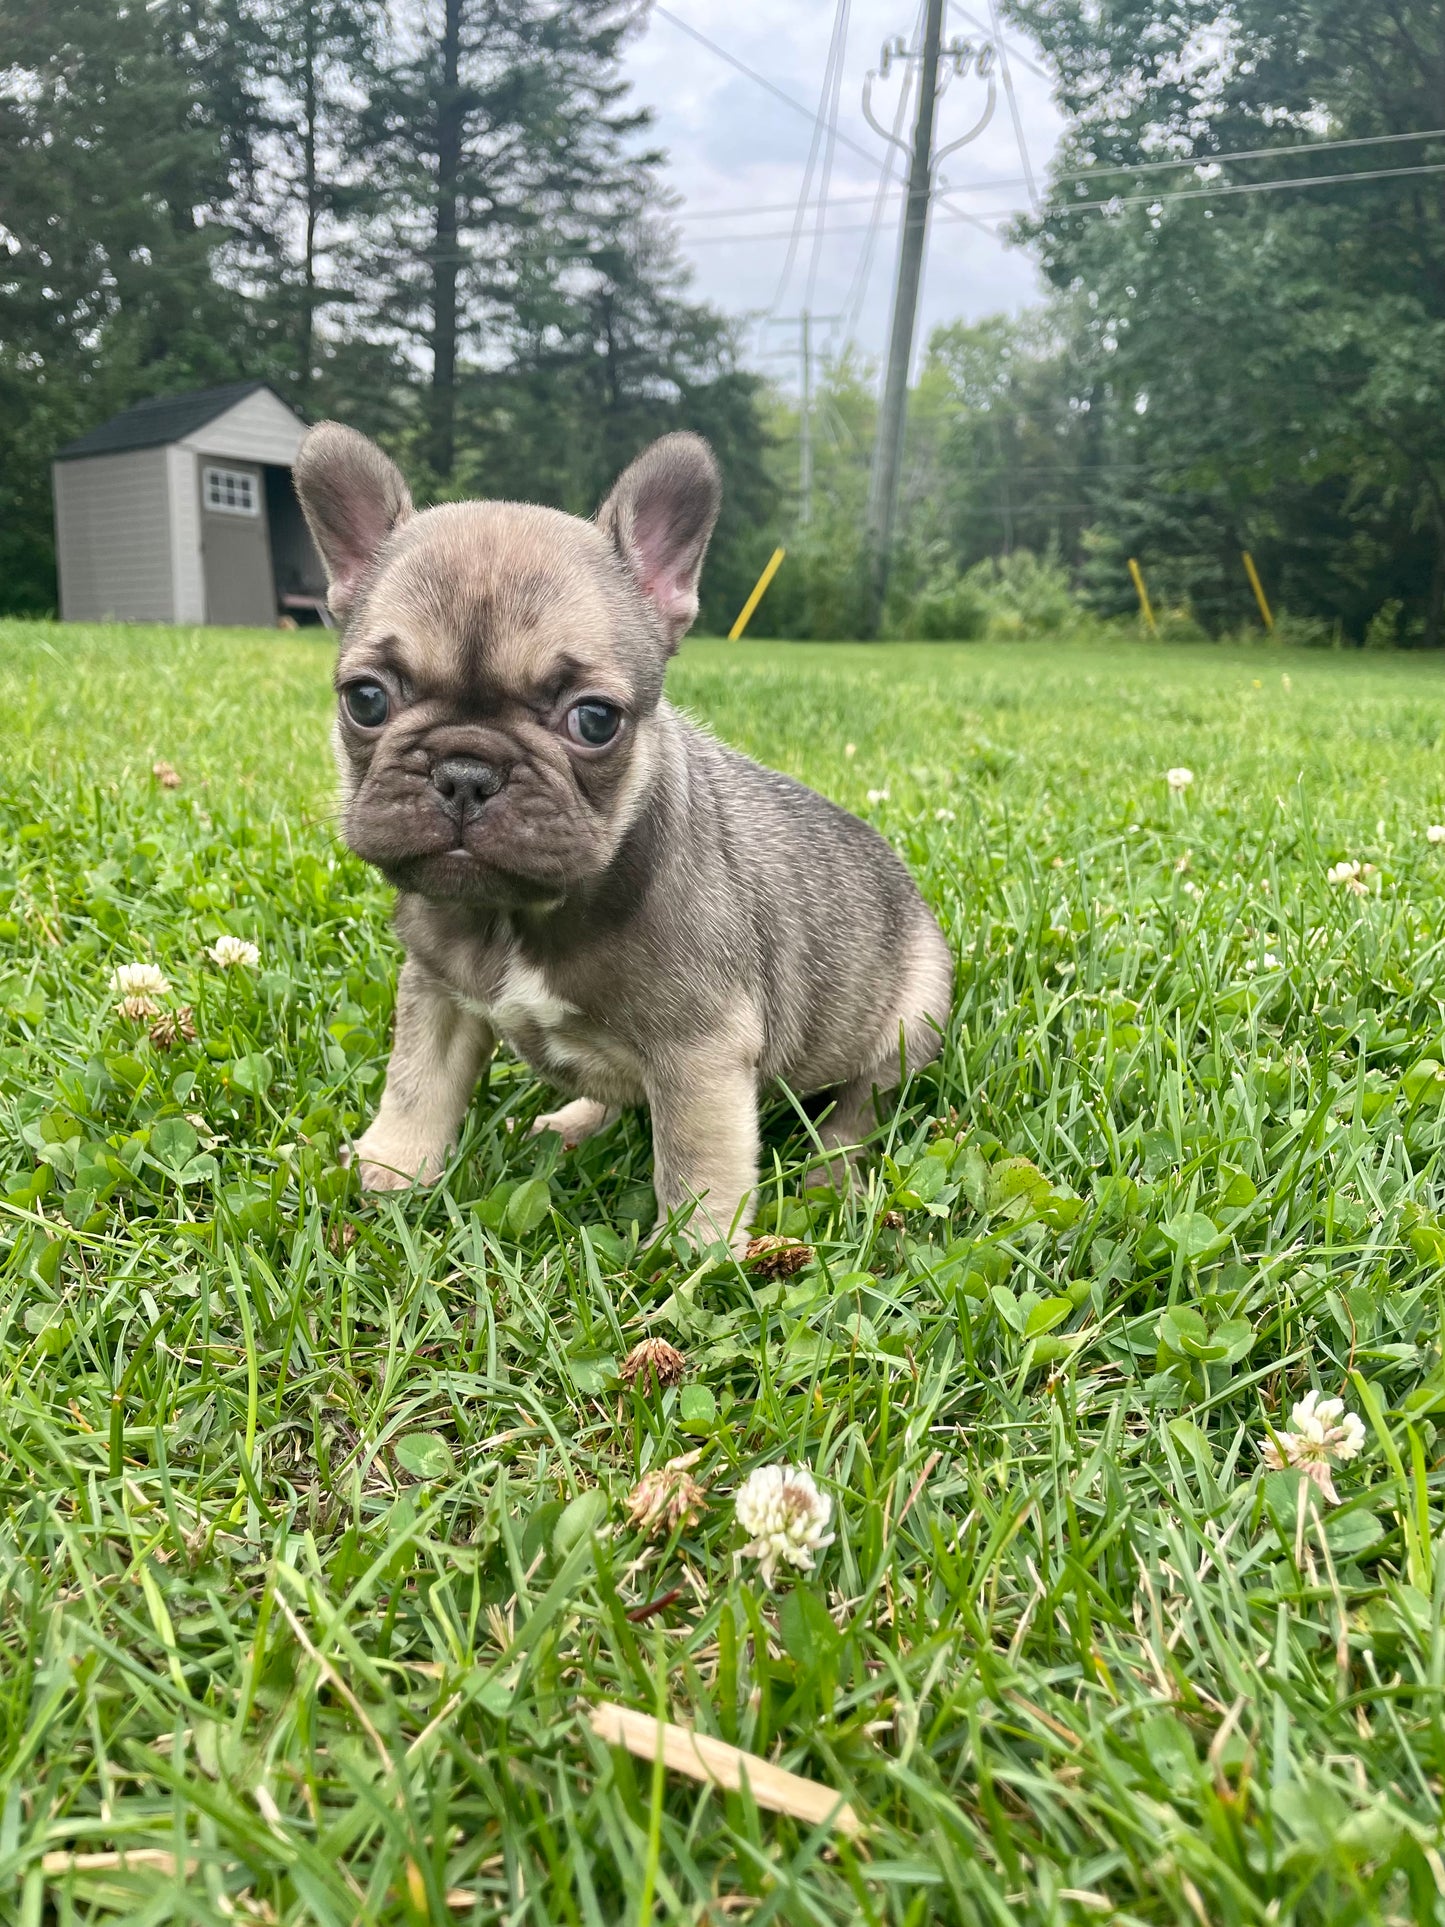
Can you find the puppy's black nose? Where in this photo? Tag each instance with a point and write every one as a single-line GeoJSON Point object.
{"type": "Point", "coordinates": [465, 784]}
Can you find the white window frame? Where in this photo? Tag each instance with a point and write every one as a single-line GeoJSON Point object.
{"type": "Point", "coordinates": [230, 491]}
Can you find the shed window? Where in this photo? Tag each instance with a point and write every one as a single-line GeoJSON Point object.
{"type": "Point", "coordinates": [232, 491]}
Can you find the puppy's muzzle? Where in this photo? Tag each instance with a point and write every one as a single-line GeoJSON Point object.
{"type": "Point", "coordinates": [465, 785]}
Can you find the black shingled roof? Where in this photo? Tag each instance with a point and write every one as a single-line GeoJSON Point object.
{"type": "Point", "coordinates": [162, 419]}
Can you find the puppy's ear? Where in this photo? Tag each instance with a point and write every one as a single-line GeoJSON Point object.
{"type": "Point", "coordinates": [353, 496]}
{"type": "Point", "coordinates": [660, 515]}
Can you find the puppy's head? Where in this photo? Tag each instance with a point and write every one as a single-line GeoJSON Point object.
{"type": "Point", "coordinates": [501, 665]}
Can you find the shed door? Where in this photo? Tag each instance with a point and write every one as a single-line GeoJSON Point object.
{"type": "Point", "coordinates": [235, 547]}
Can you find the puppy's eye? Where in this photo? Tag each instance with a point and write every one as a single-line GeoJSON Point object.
{"type": "Point", "coordinates": [593, 723]}
{"type": "Point", "coordinates": [367, 704]}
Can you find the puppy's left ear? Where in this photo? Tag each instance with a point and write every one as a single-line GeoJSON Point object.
{"type": "Point", "coordinates": [660, 516]}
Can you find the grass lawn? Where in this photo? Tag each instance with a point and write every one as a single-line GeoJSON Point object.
{"type": "Point", "coordinates": [315, 1548]}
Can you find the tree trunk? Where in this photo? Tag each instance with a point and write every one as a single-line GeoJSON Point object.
{"type": "Point", "coordinates": [445, 256]}
{"type": "Point", "coordinates": [305, 345]}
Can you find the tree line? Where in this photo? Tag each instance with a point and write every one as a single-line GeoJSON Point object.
{"type": "Point", "coordinates": [441, 222]}
{"type": "Point", "coordinates": [444, 222]}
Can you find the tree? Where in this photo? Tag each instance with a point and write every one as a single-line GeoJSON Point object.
{"type": "Point", "coordinates": [297, 183]}
{"type": "Point", "coordinates": [493, 128]}
{"type": "Point", "coordinates": [1271, 365]}
{"type": "Point", "coordinates": [112, 175]}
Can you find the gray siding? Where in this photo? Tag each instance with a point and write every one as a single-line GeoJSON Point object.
{"type": "Point", "coordinates": [259, 429]}
{"type": "Point", "coordinates": [190, 580]}
{"type": "Point", "coordinates": [113, 537]}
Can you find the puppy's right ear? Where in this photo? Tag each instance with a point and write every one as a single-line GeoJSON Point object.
{"type": "Point", "coordinates": [353, 497]}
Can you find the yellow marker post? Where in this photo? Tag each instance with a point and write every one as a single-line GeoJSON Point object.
{"type": "Point", "coordinates": [749, 607]}
{"type": "Point", "coordinates": [1138, 575]}
{"type": "Point", "coordinates": [1258, 587]}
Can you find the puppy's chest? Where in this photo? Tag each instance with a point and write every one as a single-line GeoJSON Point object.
{"type": "Point", "coordinates": [554, 1035]}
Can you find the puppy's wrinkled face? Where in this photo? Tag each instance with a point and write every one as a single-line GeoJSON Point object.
{"type": "Point", "coordinates": [501, 667]}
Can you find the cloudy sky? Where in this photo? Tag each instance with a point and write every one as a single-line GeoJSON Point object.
{"type": "Point", "coordinates": [738, 158]}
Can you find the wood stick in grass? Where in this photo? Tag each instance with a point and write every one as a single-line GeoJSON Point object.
{"type": "Point", "coordinates": [718, 1764]}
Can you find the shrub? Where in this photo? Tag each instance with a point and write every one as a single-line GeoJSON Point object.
{"type": "Point", "coordinates": [949, 608]}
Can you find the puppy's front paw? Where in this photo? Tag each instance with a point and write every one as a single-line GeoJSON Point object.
{"type": "Point", "coordinates": [387, 1163]}
{"type": "Point", "coordinates": [574, 1123]}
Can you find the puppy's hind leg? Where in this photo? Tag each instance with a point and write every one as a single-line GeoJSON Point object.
{"type": "Point", "coordinates": [574, 1123]}
{"type": "Point", "coordinates": [704, 1105]}
{"type": "Point", "coordinates": [915, 1040]}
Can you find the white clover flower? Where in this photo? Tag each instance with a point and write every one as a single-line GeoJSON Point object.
{"type": "Point", "coordinates": [229, 953]}
{"type": "Point", "coordinates": [1324, 1431]}
{"type": "Point", "coordinates": [1351, 875]}
{"type": "Point", "coordinates": [786, 1516]}
{"type": "Point", "coordinates": [139, 980]}
{"type": "Point", "coordinates": [877, 796]}
{"type": "Point", "coordinates": [944, 816]}
{"type": "Point", "coordinates": [850, 749]}
{"type": "Point", "coordinates": [1179, 779]}
{"type": "Point", "coordinates": [1435, 833]}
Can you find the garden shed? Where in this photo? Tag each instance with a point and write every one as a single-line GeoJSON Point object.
{"type": "Point", "coordinates": [181, 509]}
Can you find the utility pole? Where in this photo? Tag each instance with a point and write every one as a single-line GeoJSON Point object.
{"type": "Point", "coordinates": [922, 167]}
{"type": "Point", "coordinates": [805, 431]}
{"type": "Point", "coordinates": [805, 323]}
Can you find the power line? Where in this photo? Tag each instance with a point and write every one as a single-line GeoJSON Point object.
{"type": "Point", "coordinates": [1162, 199]}
{"type": "Point", "coordinates": [823, 122]}
{"type": "Point", "coordinates": [862, 273]}
{"type": "Point", "coordinates": [846, 140]}
{"type": "Point", "coordinates": [1013, 107]}
{"type": "Point", "coordinates": [1092, 173]}
{"type": "Point", "coordinates": [1021, 57]}
{"type": "Point", "coordinates": [833, 105]}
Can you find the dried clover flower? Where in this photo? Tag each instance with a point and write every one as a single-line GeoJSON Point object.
{"type": "Point", "coordinates": [667, 1497]}
{"type": "Point", "coordinates": [168, 1029]}
{"type": "Point", "coordinates": [655, 1362]}
{"type": "Point", "coordinates": [778, 1257]}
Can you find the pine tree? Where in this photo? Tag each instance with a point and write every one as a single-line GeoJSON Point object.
{"type": "Point", "coordinates": [490, 125]}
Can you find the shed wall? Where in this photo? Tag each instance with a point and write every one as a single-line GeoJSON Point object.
{"type": "Point", "coordinates": [259, 429]}
{"type": "Point", "coordinates": [113, 537]}
{"type": "Point", "coordinates": [187, 562]}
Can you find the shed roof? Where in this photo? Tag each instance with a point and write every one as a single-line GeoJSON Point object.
{"type": "Point", "coordinates": [162, 419]}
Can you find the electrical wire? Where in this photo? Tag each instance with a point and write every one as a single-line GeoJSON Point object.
{"type": "Point", "coordinates": [820, 226]}
{"type": "Point", "coordinates": [1013, 108]}
{"type": "Point", "coordinates": [822, 126]}
{"type": "Point", "coordinates": [844, 140]}
{"type": "Point", "coordinates": [1162, 199]}
{"type": "Point", "coordinates": [675, 20]}
{"type": "Point", "coordinates": [1093, 173]}
{"type": "Point", "coordinates": [862, 273]}
{"type": "Point", "coordinates": [1018, 54]}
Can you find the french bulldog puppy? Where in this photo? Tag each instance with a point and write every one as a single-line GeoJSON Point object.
{"type": "Point", "coordinates": [644, 915]}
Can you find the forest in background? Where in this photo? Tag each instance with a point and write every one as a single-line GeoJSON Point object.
{"type": "Point", "coordinates": [442, 221]}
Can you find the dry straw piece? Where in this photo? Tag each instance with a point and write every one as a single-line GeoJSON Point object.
{"type": "Point", "coordinates": [716, 1763]}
